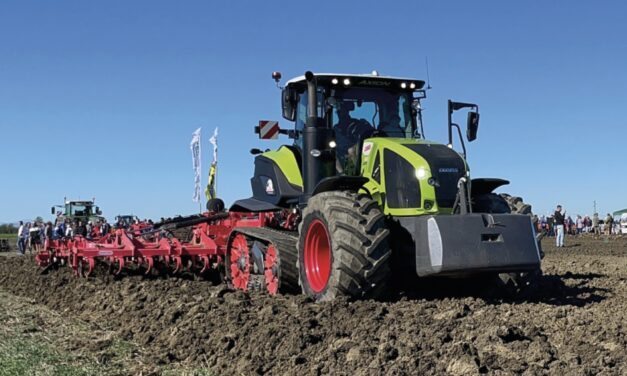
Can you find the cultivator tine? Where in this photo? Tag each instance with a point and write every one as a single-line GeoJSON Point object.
{"type": "Point", "coordinates": [150, 262]}
{"type": "Point", "coordinates": [120, 261]}
{"type": "Point", "coordinates": [74, 264]}
{"type": "Point", "coordinates": [91, 262]}
{"type": "Point", "coordinates": [47, 268]}
{"type": "Point", "coordinates": [178, 262]}
{"type": "Point", "coordinates": [85, 266]}
{"type": "Point", "coordinates": [205, 263]}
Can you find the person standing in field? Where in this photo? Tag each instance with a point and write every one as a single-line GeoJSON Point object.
{"type": "Point", "coordinates": [42, 235]}
{"type": "Point", "coordinates": [88, 230]}
{"type": "Point", "coordinates": [80, 230]}
{"type": "Point", "coordinates": [33, 237]}
{"type": "Point", "coordinates": [22, 235]}
{"type": "Point", "coordinates": [558, 218]}
{"type": "Point", "coordinates": [59, 230]}
{"type": "Point", "coordinates": [47, 234]}
{"type": "Point", "coordinates": [595, 225]}
{"type": "Point", "coordinates": [69, 230]}
{"type": "Point", "coordinates": [105, 227]}
{"type": "Point", "coordinates": [609, 221]}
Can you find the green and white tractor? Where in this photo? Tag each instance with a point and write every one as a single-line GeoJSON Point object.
{"type": "Point", "coordinates": [369, 199]}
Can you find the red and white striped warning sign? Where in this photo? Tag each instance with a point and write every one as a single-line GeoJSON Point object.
{"type": "Point", "coordinates": [268, 129]}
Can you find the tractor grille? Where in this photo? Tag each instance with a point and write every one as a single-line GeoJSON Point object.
{"type": "Point", "coordinates": [447, 167]}
{"type": "Point", "coordinates": [401, 187]}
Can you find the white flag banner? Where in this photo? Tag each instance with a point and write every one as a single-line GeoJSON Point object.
{"type": "Point", "coordinates": [214, 142]}
{"type": "Point", "coordinates": [195, 147]}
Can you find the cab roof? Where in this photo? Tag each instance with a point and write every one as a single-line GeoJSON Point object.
{"type": "Point", "coordinates": [371, 80]}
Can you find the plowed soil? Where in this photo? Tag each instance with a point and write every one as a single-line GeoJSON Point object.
{"type": "Point", "coordinates": [573, 322]}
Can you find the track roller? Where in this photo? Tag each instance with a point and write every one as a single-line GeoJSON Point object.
{"type": "Point", "coordinates": [271, 269]}
{"type": "Point", "coordinates": [272, 259]}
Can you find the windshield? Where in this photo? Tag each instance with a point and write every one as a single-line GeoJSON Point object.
{"type": "Point", "coordinates": [77, 210]}
{"type": "Point", "coordinates": [361, 113]}
{"type": "Point", "coordinates": [387, 112]}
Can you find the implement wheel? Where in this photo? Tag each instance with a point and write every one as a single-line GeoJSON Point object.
{"type": "Point", "coordinates": [238, 262]}
{"type": "Point", "coordinates": [343, 247]}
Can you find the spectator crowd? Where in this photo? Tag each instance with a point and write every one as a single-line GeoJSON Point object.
{"type": "Point", "coordinates": [34, 236]}
{"type": "Point", "coordinates": [580, 224]}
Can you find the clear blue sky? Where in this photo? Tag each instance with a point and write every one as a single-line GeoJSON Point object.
{"type": "Point", "coordinates": [101, 98]}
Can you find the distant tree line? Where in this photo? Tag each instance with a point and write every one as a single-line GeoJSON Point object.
{"type": "Point", "coordinates": [8, 228]}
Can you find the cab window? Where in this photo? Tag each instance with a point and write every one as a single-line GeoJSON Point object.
{"type": "Point", "coordinates": [301, 115]}
{"type": "Point", "coordinates": [301, 118]}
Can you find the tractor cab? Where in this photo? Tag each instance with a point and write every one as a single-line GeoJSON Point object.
{"type": "Point", "coordinates": [356, 107]}
{"type": "Point", "coordinates": [353, 131]}
{"type": "Point", "coordinates": [76, 210]}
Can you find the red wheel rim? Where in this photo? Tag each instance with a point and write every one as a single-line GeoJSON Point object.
{"type": "Point", "coordinates": [271, 270]}
{"type": "Point", "coordinates": [239, 258]}
{"type": "Point", "coordinates": [317, 256]}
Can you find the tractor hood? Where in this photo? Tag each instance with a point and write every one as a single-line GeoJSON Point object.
{"type": "Point", "coordinates": [412, 177]}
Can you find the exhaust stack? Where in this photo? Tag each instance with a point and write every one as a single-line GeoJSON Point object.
{"type": "Point", "coordinates": [318, 157]}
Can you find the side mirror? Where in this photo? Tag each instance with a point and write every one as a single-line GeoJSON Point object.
{"type": "Point", "coordinates": [288, 104]}
{"type": "Point", "coordinates": [52, 210]}
{"type": "Point", "coordinates": [472, 126]}
{"type": "Point", "coordinates": [98, 211]}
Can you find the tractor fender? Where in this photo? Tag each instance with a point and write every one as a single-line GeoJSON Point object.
{"type": "Point", "coordinates": [340, 183]}
{"type": "Point", "coordinates": [483, 186]}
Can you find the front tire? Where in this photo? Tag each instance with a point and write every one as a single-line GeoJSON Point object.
{"type": "Point", "coordinates": [343, 247]}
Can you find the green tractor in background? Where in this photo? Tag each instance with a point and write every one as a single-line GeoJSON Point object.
{"type": "Point", "coordinates": [77, 210]}
{"type": "Point", "coordinates": [371, 199]}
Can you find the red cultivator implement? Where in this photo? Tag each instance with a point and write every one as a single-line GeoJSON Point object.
{"type": "Point", "coordinates": [198, 244]}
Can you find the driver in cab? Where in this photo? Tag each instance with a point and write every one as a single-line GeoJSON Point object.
{"type": "Point", "coordinates": [348, 133]}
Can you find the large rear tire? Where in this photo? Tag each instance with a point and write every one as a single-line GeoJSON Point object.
{"type": "Point", "coordinates": [343, 247]}
{"type": "Point", "coordinates": [490, 203]}
{"type": "Point", "coordinates": [516, 204]}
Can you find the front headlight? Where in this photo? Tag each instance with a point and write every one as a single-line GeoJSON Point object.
{"type": "Point", "coordinates": [421, 173]}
